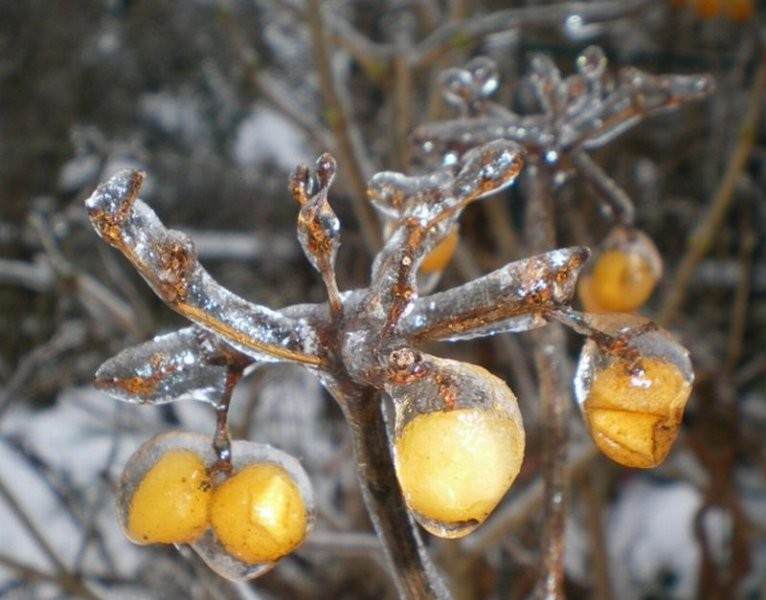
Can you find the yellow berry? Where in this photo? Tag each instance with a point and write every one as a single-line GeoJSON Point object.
{"type": "Point", "coordinates": [739, 10]}
{"type": "Point", "coordinates": [587, 298]}
{"type": "Point", "coordinates": [621, 281]}
{"type": "Point", "coordinates": [454, 466]}
{"type": "Point", "coordinates": [170, 504]}
{"type": "Point", "coordinates": [259, 514]}
{"type": "Point", "coordinates": [634, 409]}
{"type": "Point", "coordinates": [441, 254]}
{"type": "Point", "coordinates": [707, 9]}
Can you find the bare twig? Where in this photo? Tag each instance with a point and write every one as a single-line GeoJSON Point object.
{"type": "Point", "coordinates": [414, 574]}
{"type": "Point", "coordinates": [553, 381]}
{"type": "Point", "coordinates": [271, 88]}
{"type": "Point", "coordinates": [67, 581]}
{"type": "Point", "coordinates": [349, 153]}
{"type": "Point", "coordinates": [702, 239]}
{"type": "Point", "coordinates": [461, 33]}
{"type": "Point", "coordinates": [592, 489]}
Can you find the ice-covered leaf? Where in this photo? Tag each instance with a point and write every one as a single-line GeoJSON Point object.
{"type": "Point", "coordinates": [513, 298]}
{"type": "Point", "coordinates": [167, 261]}
{"type": "Point", "coordinates": [190, 364]}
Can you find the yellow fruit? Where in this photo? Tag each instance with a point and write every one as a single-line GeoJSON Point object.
{"type": "Point", "coordinates": [454, 466]}
{"type": "Point", "coordinates": [707, 9]}
{"type": "Point", "coordinates": [620, 282]}
{"type": "Point", "coordinates": [634, 410]}
{"type": "Point", "coordinates": [439, 257]}
{"type": "Point", "coordinates": [170, 503]}
{"type": "Point", "coordinates": [740, 10]}
{"type": "Point", "coordinates": [258, 514]}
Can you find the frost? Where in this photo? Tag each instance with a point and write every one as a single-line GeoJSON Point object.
{"type": "Point", "coordinates": [652, 539]}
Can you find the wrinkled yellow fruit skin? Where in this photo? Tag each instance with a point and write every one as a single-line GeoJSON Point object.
{"type": "Point", "coordinates": [620, 282]}
{"type": "Point", "coordinates": [170, 504]}
{"type": "Point", "coordinates": [439, 257]}
{"type": "Point", "coordinates": [258, 514]}
{"type": "Point", "coordinates": [455, 466]}
{"type": "Point", "coordinates": [634, 418]}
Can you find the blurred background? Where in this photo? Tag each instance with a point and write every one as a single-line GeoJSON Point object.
{"type": "Point", "coordinates": [218, 101]}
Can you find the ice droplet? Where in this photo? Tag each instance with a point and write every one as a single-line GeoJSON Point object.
{"type": "Point", "coordinates": [484, 73]}
{"type": "Point", "coordinates": [456, 86]}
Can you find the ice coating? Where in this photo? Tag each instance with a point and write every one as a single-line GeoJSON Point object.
{"type": "Point", "coordinates": [426, 207]}
{"type": "Point", "coordinates": [459, 439]}
{"type": "Point", "coordinates": [146, 456]}
{"type": "Point", "coordinates": [623, 273]}
{"type": "Point", "coordinates": [244, 453]}
{"type": "Point", "coordinates": [466, 88]}
{"type": "Point", "coordinates": [632, 383]}
{"type": "Point", "coordinates": [583, 111]}
{"type": "Point", "coordinates": [612, 333]}
{"type": "Point", "coordinates": [167, 261]}
{"type": "Point", "coordinates": [318, 226]}
{"type": "Point", "coordinates": [189, 364]}
{"type": "Point", "coordinates": [512, 298]}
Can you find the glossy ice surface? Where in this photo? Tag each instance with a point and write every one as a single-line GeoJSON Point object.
{"type": "Point", "coordinates": [170, 504]}
{"type": "Point", "coordinates": [454, 466]}
{"type": "Point", "coordinates": [258, 514]}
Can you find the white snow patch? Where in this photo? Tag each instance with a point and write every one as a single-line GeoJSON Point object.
{"type": "Point", "coordinates": [75, 439]}
{"type": "Point", "coordinates": [651, 540]}
{"type": "Point", "coordinates": [265, 135]}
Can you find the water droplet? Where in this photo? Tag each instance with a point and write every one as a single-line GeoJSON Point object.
{"type": "Point", "coordinates": [573, 23]}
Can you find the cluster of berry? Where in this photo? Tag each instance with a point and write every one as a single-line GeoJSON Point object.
{"type": "Point", "coordinates": [458, 440]}
{"type": "Point", "coordinates": [240, 517]}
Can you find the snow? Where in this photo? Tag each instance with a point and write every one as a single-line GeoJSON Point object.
{"type": "Point", "coordinates": [650, 540]}
{"type": "Point", "coordinates": [266, 136]}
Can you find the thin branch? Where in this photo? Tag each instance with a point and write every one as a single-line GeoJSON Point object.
{"type": "Point", "coordinates": [269, 88]}
{"type": "Point", "coordinates": [592, 489]}
{"type": "Point", "coordinates": [67, 581]}
{"type": "Point", "coordinates": [554, 384]}
{"type": "Point", "coordinates": [462, 33]}
{"type": "Point", "coordinates": [741, 295]}
{"type": "Point", "coordinates": [414, 573]}
{"type": "Point", "coordinates": [703, 238]}
{"type": "Point", "coordinates": [347, 151]}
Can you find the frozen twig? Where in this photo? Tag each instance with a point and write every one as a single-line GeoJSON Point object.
{"type": "Point", "coordinates": [336, 112]}
{"type": "Point", "coordinates": [413, 572]}
{"type": "Point", "coordinates": [553, 381]}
